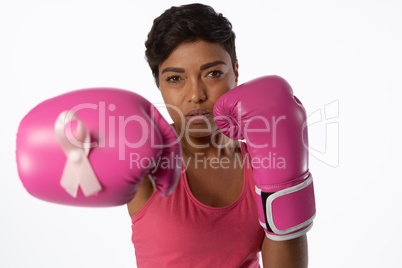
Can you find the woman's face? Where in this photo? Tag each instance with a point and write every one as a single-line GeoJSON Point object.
{"type": "Point", "coordinates": [191, 80]}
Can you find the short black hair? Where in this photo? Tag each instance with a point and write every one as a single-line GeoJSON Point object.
{"type": "Point", "coordinates": [187, 23]}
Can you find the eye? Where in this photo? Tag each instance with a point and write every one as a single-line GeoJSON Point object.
{"type": "Point", "coordinates": [173, 79]}
{"type": "Point", "coordinates": [215, 73]}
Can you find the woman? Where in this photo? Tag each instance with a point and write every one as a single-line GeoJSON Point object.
{"type": "Point", "coordinates": [210, 220]}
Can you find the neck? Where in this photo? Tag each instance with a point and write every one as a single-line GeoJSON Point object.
{"type": "Point", "coordinates": [216, 145]}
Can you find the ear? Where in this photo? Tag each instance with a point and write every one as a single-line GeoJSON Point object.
{"type": "Point", "coordinates": [236, 71]}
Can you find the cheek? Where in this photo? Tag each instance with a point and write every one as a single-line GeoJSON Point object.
{"type": "Point", "coordinates": [233, 82]}
{"type": "Point", "coordinates": [222, 88]}
{"type": "Point", "coordinates": [169, 97]}
{"type": "Point", "coordinates": [172, 102]}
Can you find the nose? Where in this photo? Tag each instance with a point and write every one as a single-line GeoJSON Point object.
{"type": "Point", "coordinates": [195, 91]}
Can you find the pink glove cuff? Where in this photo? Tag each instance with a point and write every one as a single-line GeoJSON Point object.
{"type": "Point", "coordinates": [289, 212]}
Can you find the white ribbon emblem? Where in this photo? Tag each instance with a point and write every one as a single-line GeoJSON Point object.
{"type": "Point", "coordinates": [77, 171]}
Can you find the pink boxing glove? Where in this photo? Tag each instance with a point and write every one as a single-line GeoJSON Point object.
{"type": "Point", "coordinates": [272, 120]}
{"type": "Point", "coordinates": [92, 147]}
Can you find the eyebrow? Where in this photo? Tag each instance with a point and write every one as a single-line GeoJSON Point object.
{"type": "Point", "coordinates": [211, 64]}
{"type": "Point", "coordinates": [173, 69]}
{"type": "Point", "coordinates": [202, 67]}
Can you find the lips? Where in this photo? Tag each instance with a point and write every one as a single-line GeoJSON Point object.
{"type": "Point", "coordinates": [198, 116]}
{"type": "Point", "coordinates": [197, 112]}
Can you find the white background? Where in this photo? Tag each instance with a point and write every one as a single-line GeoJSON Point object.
{"type": "Point", "coordinates": [342, 52]}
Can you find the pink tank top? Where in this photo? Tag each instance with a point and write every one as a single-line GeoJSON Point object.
{"type": "Point", "coordinates": [180, 231]}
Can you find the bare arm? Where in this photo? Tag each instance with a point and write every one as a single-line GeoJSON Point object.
{"type": "Point", "coordinates": [285, 254]}
{"type": "Point", "coordinates": [144, 192]}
